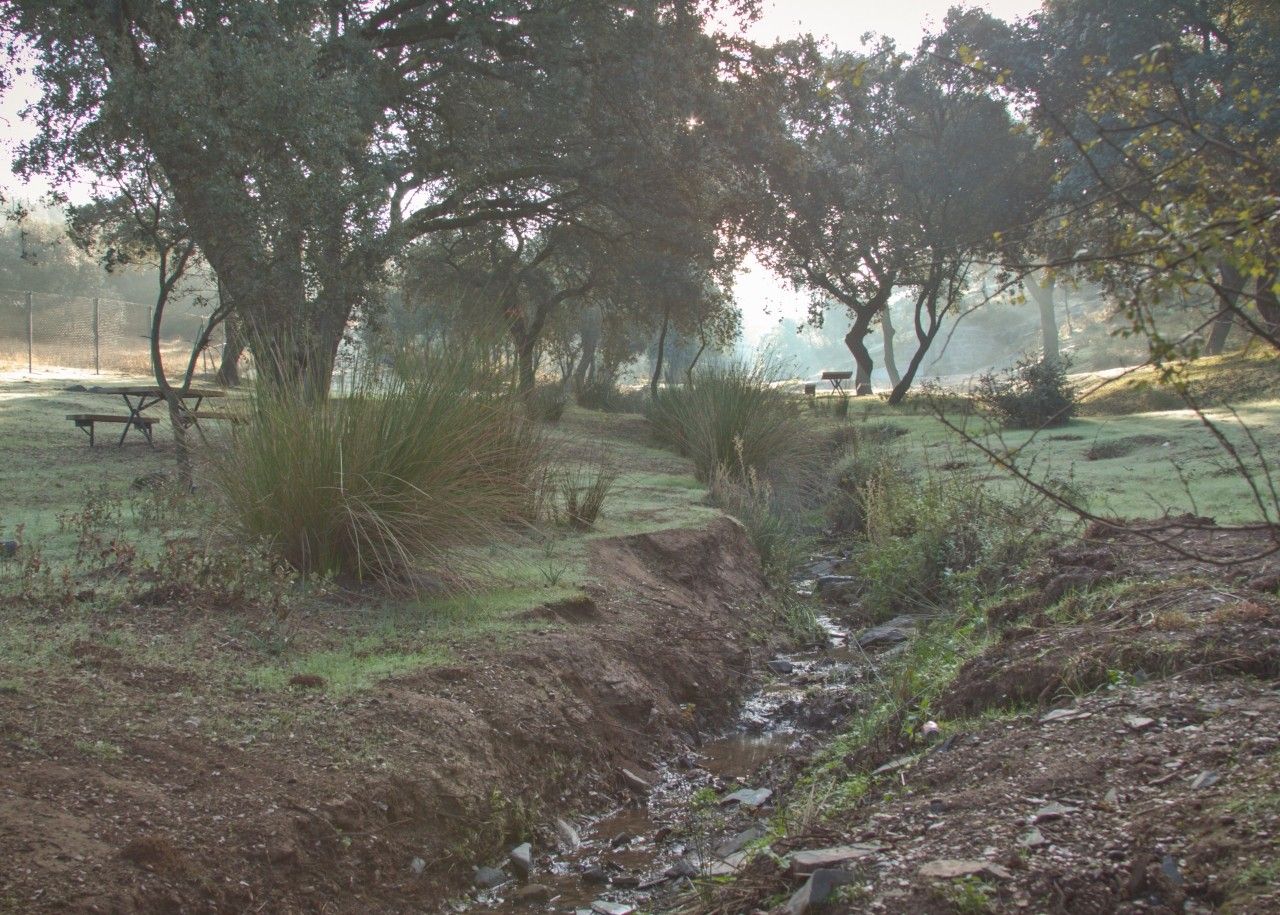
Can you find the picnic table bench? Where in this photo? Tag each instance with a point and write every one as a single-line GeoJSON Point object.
{"type": "Point", "coordinates": [86, 421]}
{"type": "Point", "coordinates": [142, 397]}
{"type": "Point", "coordinates": [836, 378]}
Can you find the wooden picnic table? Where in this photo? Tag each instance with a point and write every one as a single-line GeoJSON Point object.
{"type": "Point", "coordinates": [139, 398]}
{"type": "Point", "coordinates": [836, 378]}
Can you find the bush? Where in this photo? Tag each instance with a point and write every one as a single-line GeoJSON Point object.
{"type": "Point", "coordinates": [1034, 394]}
{"type": "Point", "coordinates": [603, 395]}
{"type": "Point", "coordinates": [548, 403]}
{"type": "Point", "coordinates": [581, 494]}
{"type": "Point", "coordinates": [772, 527]}
{"type": "Point", "coordinates": [868, 464]}
{"type": "Point", "coordinates": [730, 417]}
{"type": "Point", "coordinates": [385, 481]}
{"type": "Point", "coordinates": [938, 543]}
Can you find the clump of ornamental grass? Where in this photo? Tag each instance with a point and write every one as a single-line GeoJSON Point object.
{"type": "Point", "coordinates": [387, 481]}
{"type": "Point", "coordinates": [730, 416]}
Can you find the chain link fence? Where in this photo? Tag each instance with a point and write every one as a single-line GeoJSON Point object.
{"type": "Point", "coordinates": [98, 334]}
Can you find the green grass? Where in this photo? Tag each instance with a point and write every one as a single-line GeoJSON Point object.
{"type": "Point", "coordinates": [1238, 377]}
{"type": "Point", "coordinates": [52, 473]}
{"type": "Point", "coordinates": [1190, 473]}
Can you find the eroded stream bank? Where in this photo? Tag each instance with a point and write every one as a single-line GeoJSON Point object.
{"type": "Point", "coordinates": [692, 815]}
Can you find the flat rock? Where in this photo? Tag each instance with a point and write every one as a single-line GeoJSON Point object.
{"type": "Point", "coordinates": [521, 858]}
{"type": "Point", "coordinates": [832, 585]}
{"type": "Point", "coordinates": [1064, 714]}
{"type": "Point", "coordinates": [748, 797]}
{"type": "Point", "coordinates": [568, 836]}
{"type": "Point", "coordinates": [488, 877]}
{"type": "Point", "coordinates": [1053, 811]}
{"type": "Point", "coordinates": [1204, 780]}
{"type": "Point", "coordinates": [806, 862]}
{"type": "Point", "coordinates": [682, 867]}
{"type": "Point", "coordinates": [635, 782]}
{"type": "Point", "coordinates": [816, 890]}
{"type": "Point", "coordinates": [781, 666]}
{"type": "Point", "coordinates": [1139, 723]}
{"type": "Point", "coordinates": [1033, 838]}
{"type": "Point", "coordinates": [952, 868]}
{"type": "Point", "coordinates": [884, 635]}
{"type": "Point", "coordinates": [605, 907]}
{"type": "Point", "coordinates": [735, 844]}
{"type": "Point", "coordinates": [900, 763]}
{"type": "Point", "coordinates": [595, 874]}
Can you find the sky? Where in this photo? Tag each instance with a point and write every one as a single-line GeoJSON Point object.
{"type": "Point", "coordinates": [762, 297]}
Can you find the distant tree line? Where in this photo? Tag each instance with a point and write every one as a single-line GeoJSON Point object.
{"type": "Point", "coordinates": [581, 179]}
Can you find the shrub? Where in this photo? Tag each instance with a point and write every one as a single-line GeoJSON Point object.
{"type": "Point", "coordinates": [548, 404]}
{"type": "Point", "coordinates": [730, 418]}
{"type": "Point", "coordinates": [582, 492]}
{"type": "Point", "coordinates": [771, 526]}
{"type": "Point", "coordinates": [601, 394]}
{"type": "Point", "coordinates": [1034, 394]}
{"type": "Point", "coordinates": [384, 481]}
{"type": "Point", "coordinates": [940, 542]}
{"type": "Point", "coordinates": [867, 464]}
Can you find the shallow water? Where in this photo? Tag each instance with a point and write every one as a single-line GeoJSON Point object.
{"type": "Point", "coordinates": [639, 844]}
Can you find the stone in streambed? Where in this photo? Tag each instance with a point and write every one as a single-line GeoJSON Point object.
{"type": "Point", "coordinates": [521, 859]}
{"type": "Point", "coordinates": [682, 867]}
{"type": "Point", "coordinates": [568, 836]}
{"type": "Point", "coordinates": [952, 868]}
{"type": "Point", "coordinates": [807, 862]}
{"type": "Point", "coordinates": [488, 877]}
{"type": "Point", "coordinates": [781, 666]}
{"type": "Point", "coordinates": [635, 782]}
{"type": "Point", "coordinates": [605, 907]}
{"type": "Point", "coordinates": [816, 890]}
{"type": "Point", "coordinates": [747, 797]}
{"type": "Point", "coordinates": [735, 844]}
{"type": "Point", "coordinates": [896, 630]}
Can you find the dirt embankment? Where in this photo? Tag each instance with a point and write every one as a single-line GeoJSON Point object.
{"type": "Point", "coordinates": [1113, 751]}
{"type": "Point", "coordinates": [124, 798]}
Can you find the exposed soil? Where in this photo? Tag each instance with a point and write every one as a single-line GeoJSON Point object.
{"type": "Point", "coordinates": [130, 795]}
{"type": "Point", "coordinates": [1116, 750]}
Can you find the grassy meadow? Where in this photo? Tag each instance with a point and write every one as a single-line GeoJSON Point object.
{"type": "Point", "coordinates": [67, 501]}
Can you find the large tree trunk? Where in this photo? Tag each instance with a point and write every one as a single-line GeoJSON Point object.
{"type": "Point", "coordinates": [1043, 297]}
{"type": "Point", "coordinates": [590, 341]}
{"type": "Point", "coordinates": [890, 362]}
{"type": "Point", "coordinates": [904, 383]}
{"type": "Point", "coordinates": [855, 340]}
{"type": "Point", "coordinates": [1268, 305]}
{"type": "Point", "coordinates": [1231, 284]}
{"type": "Point", "coordinates": [232, 348]}
{"type": "Point", "coordinates": [662, 349]}
{"type": "Point", "coordinates": [526, 364]}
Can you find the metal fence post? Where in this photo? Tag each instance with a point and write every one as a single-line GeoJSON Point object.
{"type": "Point", "coordinates": [95, 335]}
{"type": "Point", "coordinates": [31, 327]}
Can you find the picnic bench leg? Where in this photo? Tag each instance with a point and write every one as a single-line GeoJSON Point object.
{"type": "Point", "coordinates": [135, 412]}
{"type": "Point", "coordinates": [132, 414]}
{"type": "Point", "coordinates": [835, 386]}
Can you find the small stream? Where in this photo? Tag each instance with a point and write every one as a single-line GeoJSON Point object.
{"type": "Point", "coordinates": [642, 854]}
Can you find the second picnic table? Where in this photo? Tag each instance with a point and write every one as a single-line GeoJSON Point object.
{"type": "Point", "coordinates": [139, 398]}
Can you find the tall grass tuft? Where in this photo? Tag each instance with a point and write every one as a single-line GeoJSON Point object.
{"type": "Point", "coordinates": [730, 416]}
{"type": "Point", "coordinates": [386, 481]}
{"type": "Point", "coordinates": [582, 494]}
